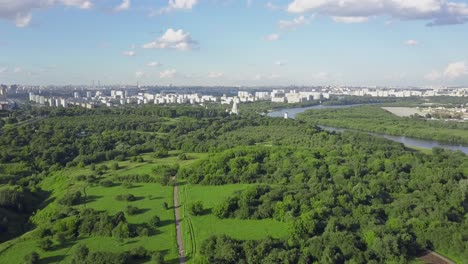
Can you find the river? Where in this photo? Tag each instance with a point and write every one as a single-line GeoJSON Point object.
{"type": "Point", "coordinates": [407, 141]}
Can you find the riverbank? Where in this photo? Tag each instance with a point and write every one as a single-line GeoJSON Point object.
{"type": "Point", "coordinates": [367, 119]}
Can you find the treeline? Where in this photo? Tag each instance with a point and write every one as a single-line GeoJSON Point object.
{"type": "Point", "coordinates": [375, 119]}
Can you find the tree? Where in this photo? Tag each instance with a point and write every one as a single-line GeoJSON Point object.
{"type": "Point", "coordinates": [121, 231]}
{"type": "Point", "coordinates": [45, 244]}
{"type": "Point", "coordinates": [157, 258]}
{"type": "Point", "coordinates": [155, 221]}
{"type": "Point", "coordinates": [31, 258]}
{"type": "Point", "coordinates": [196, 208]}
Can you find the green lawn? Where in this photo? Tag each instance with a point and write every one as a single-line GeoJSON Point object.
{"type": "Point", "coordinates": [198, 228]}
{"type": "Point", "coordinates": [150, 199]}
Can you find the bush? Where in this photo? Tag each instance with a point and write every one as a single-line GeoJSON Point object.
{"type": "Point", "coordinates": [125, 197]}
{"type": "Point", "coordinates": [139, 253]}
{"type": "Point", "coordinates": [157, 258]}
{"type": "Point", "coordinates": [183, 156]}
{"type": "Point", "coordinates": [115, 166]}
{"type": "Point", "coordinates": [196, 208]}
{"type": "Point", "coordinates": [70, 199]}
{"type": "Point", "coordinates": [132, 210]}
{"type": "Point", "coordinates": [31, 258]}
{"type": "Point", "coordinates": [60, 238]}
{"type": "Point", "coordinates": [155, 221]}
{"type": "Point", "coordinates": [45, 244]}
{"type": "Point", "coordinates": [127, 184]}
{"type": "Point", "coordinates": [106, 183]}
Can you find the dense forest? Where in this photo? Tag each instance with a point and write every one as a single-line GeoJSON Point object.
{"type": "Point", "coordinates": [347, 197]}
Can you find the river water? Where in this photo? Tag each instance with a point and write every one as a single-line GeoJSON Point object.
{"type": "Point", "coordinates": [407, 141]}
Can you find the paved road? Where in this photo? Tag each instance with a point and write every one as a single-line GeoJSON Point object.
{"type": "Point", "coordinates": [180, 242]}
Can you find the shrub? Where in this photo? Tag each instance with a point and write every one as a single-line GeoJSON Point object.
{"type": "Point", "coordinates": [132, 210]}
{"type": "Point", "coordinates": [125, 197]}
{"type": "Point", "coordinates": [45, 244]}
{"type": "Point", "coordinates": [31, 258]}
{"type": "Point", "coordinates": [155, 221]}
{"type": "Point", "coordinates": [106, 183]}
{"type": "Point", "coordinates": [127, 184]}
{"type": "Point", "coordinates": [196, 208]}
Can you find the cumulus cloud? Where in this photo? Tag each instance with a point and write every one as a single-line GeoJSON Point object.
{"type": "Point", "coordinates": [456, 70]}
{"type": "Point", "coordinates": [20, 11]}
{"type": "Point", "coordinates": [129, 53]}
{"type": "Point", "coordinates": [214, 75]}
{"type": "Point", "coordinates": [433, 76]}
{"type": "Point", "coordinates": [411, 42]}
{"type": "Point", "coordinates": [3, 69]}
{"type": "Point", "coordinates": [272, 37]}
{"type": "Point", "coordinates": [350, 19]}
{"type": "Point", "coordinates": [453, 71]}
{"type": "Point", "coordinates": [280, 63]}
{"type": "Point", "coordinates": [174, 5]}
{"type": "Point", "coordinates": [436, 12]}
{"type": "Point", "coordinates": [125, 5]}
{"type": "Point", "coordinates": [153, 64]}
{"type": "Point", "coordinates": [173, 39]}
{"type": "Point", "coordinates": [167, 74]}
{"type": "Point", "coordinates": [18, 70]}
{"type": "Point", "coordinates": [293, 24]}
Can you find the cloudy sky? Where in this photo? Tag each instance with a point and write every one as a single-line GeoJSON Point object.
{"type": "Point", "coordinates": [234, 42]}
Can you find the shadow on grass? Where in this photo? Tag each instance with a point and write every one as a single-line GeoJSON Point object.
{"type": "Point", "coordinates": [92, 198]}
{"type": "Point", "coordinates": [165, 223]}
{"type": "Point", "coordinates": [52, 259]}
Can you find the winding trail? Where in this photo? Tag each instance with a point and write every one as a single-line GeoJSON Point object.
{"type": "Point", "coordinates": [180, 242]}
{"type": "Point", "coordinates": [431, 257]}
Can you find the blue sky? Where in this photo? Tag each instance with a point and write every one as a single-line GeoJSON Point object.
{"type": "Point", "coordinates": [234, 42]}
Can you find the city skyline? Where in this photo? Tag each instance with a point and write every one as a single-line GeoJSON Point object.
{"type": "Point", "coordinates": [196, 42]}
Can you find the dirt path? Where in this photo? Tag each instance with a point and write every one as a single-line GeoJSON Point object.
{"type": "Point", "coordinates": [431, 257]}
{"type": "Point", "coordinates": [180, 242]}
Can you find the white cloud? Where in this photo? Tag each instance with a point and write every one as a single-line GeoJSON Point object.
{"type": "Point", "coordinates": [3, 69]}
{"type": "Point", "coordinates": [18, 70]}
{"type": "Point", "coordinates": [178, 5]}
{"type": "Point", "coordinates": [453, 71]}
{"type": "Point", "coordinates": [167, 74]}
{"type": "Point", "coordinates": [258, 77]}
{"type": "Point", "coordinates": [350, 19]}
{"type": "Point", "coordinates": [456, 70]}
{"type": "Point", "coordinates": [433, 76]}
{"type": "Point", "coordinates": [272, 37]}
{"type": "Point", "coordinates": [140, 74]}
{"type": "Point", "coordinates": [173, 39]}
{"type": "Point", "coordinates": [436, 12]}
{"type": "Point", "coordinates": [20, 11]}
{"type": "Point", "coordinates": [214, 75]}
{"type": "Point", "coordinates": [153, 64]}
{"type": "Point", "coordinates": [411, 42]}
{"type": "Point", "coordinates": [292, 24]}
{"type": "Point", "coordinates": [125, 5]}
{"type": "Point", "coordinates": [280, 63]}
{"type": "Point", "coordinates": [129, 53]}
